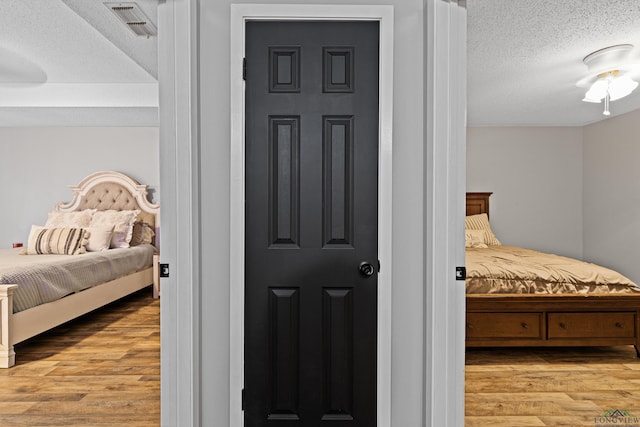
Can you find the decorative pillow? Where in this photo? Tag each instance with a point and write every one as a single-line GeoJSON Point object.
{"type": "Point", "coordinates": [54, 240]}
{"type": "Point", "coordinates": [99, 238]}
{"type": "Point", "coordinates": [69, 219]}
{"type": "Point", "coordinates": [481, 222]}
{"type": "Point", "coordinates": [474, 239]}
{"type": "Point", "coordinates": [122, 222]}
{"type": "Point", "coordinates": [142, 234]}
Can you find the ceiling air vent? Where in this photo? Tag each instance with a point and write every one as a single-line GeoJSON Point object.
{"type": "Point", "coordinates": [134, 18]}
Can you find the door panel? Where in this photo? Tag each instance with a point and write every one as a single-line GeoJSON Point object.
{"type": "Point", "coordinates": [311, 220]}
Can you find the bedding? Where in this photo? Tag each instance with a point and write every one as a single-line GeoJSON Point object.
{"type": "Point", "coordinates": [475, 239]}
{"type": "Point", "coordinates": [520, 297]}
{"type": "Point", "coordinates": [39, 292]}
{"type": "Point", "coordinates": [70, 219]}
{"type": "Point", "coordinates": [45, 278]}
{"type": "Point", "coordinates": [514, 270]}
{"type": "Point", "coordinates": [122, 221]}
{"type": "Point", "coordinates": [100, 238]}
{"type": "Point", "coordinates": [141, 234]}
{"type": "Point", "coordinates": [481, 222]}
{"type": "Point", "coordinates": [57, 241]}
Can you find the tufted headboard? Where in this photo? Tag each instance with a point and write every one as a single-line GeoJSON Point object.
{"type": "Point", "coordinates": [113, 190]}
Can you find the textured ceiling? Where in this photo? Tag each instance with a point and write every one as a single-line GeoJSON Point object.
{"type": "Point", "coordinates": [142, 50]}
{"type": "Point", "coordinates": [525, 56]}
{"type": "Point", "coordinates": [73, 63]}
{"type": "Point", "coordinates": [80, 65]}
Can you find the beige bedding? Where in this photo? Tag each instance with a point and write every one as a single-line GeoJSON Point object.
{"type": "Point", "coordinates": [509, 269]}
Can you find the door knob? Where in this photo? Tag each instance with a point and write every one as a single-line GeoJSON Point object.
{"type": "Point", "coordinates": [366, 269]}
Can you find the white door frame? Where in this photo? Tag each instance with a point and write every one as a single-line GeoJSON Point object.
{"type": "Point", "coordinates": [240, 14]}
{"type": "Point", "coordinates": [180, 225]}
{"type": "Point", "coordinates": [445, 175]}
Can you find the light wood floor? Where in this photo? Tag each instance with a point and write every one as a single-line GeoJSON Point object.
{"type": "Point", "coordinates": [549, 387]}
{"type": "Point", "coordinates": [104, 370]}
{"type": "Point", "coordinates": [100, 370]}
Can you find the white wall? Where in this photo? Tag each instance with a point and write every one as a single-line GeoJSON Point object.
{"type": "Point", "coordinates": [611, 201]}
{"type": "Point", "coordinates": [535, 174]}
{"type": "Point", "coordinates": [37, 165]}
{"type": "Point", "coordinates": [567, 190]}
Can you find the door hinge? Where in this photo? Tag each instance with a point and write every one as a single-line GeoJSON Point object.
{"type": "Point", "coordinates": [242, 405]}
{"type": "Point", "coordinates": [164, 270]}
{"type": "Point", "coordinates": [244, 68]}
{"type": "Point", "coordinates": [461, 273]}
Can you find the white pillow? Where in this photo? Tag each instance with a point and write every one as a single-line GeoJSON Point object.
{"type": "Point", "coordinates": [122, 222]}
{"type": "Point", "coordinates": [69, 219]}
{"type": "Point", "coordinates": [99, 238]}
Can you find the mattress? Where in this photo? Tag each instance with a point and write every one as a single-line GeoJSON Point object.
{"type": "Point", "coordinates": [514, 270]}
{"type": "Point", "coordinates": [45, 278]}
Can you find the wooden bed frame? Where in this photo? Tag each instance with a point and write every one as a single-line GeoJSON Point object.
{"type": "Point", "coordinates": [501, 320]}
{"type": "Point", "coordinates": [102, 191]}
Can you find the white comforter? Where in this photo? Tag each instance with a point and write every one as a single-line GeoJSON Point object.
{"type": "Point", "coordinates": [45, 278]}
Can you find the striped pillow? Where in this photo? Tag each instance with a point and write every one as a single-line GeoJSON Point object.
{"type": "Point", "coordinates": [481, 222]}
{"type": "Point", "coordinates": [60, 241]}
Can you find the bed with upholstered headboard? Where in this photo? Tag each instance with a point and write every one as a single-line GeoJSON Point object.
{"type": "Point", "coordinates": [596, 317]}
{"type": "Point", "coordinates": [123, 259]}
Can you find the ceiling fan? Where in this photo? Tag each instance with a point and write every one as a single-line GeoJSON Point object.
{"type": "Point", "coordinates": [611, 75]}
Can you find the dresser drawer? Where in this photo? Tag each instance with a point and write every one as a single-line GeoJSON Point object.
{"type": "Point", "coordinates": [504, 325]}
{"type": "Point", "coordinates": [592, 325]}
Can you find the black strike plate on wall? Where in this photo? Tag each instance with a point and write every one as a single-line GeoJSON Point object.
{"type": "Point", "coordinates": [164, 270]}
{"type": "Point", "coordinates": [461, 273]}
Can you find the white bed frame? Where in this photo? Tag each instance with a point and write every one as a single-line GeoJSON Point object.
{"type": "Point", "coordinates": [95, 191]}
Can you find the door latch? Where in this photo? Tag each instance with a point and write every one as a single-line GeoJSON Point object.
{"type": "Point", "coordinates": [164, 270]}
{"type": "Point", "coordinates": [461, 273]}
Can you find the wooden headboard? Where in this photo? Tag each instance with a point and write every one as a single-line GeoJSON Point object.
{"type": "Point", "coordinates": [478, 203]}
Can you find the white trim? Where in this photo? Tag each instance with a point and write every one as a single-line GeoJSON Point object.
{"type": "Point", "coordinates": [445, 107]}
{"type": "Point", "coordinates": [240, 14]}
{"type": "Point", "coordinates": [180, 246]}
{"type": "Point", "coordinates": [457, 204]}
{"type": "Point", "coordinates": [66, 95]}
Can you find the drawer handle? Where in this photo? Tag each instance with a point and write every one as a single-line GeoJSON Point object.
{"type": "Point", "coordinates": [564, 325]}
{"type": "Point", "coordinates": [469, 326]}
{"type": "Point", "coordinates": [524, 325]}
{"type": "Point", "coordinates": [619, 325]}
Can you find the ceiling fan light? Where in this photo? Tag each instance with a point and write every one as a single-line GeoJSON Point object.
{"type": "Point", "coordinates": [597, 91]}
{"type": "Point", "coordinates": [608, 77]}
{"type": "Point", "coordinates": [621, 87]}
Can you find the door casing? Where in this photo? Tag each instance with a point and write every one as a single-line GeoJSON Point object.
{"type": "Point", "coordinates": [240, 14]}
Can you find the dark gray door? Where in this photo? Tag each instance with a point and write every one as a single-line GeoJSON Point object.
{"type": "Point", "coordinates": [311, 223]}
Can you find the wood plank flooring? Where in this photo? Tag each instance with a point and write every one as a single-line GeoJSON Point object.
{"type": "Point", "coordinates": [100, 370]}
{"type": "Point", "coordinates": [550, 387]}
{"type": "Point", "coordinates": [104, 370]}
